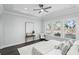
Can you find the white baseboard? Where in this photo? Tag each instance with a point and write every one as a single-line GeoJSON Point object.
{"type": "Point", "coordinates": [11, 45]}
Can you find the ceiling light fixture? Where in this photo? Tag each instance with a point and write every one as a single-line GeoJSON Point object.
{"type": "Point", "coordinates": [25, 8]}
{"type": "Point", "coordinates": [42, 10]}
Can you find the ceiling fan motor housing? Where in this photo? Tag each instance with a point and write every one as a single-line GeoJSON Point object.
{"type": "Point", "coordinates": [41, 5]}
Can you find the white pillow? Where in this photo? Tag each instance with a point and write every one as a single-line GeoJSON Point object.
{"type": "Point", "coordinates": [64, 46]}
{"type": "Point", "coordinates": [59, 46]}
{"type": "Point", "coordinates": [74, 50]}
{"type": "Point", "coordinates": [76, 42]}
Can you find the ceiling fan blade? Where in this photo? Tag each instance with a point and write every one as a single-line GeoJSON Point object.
{"type": "Point", "coordinates": [39, 11]}
{"type": "Point", "coordinates": [48, 7]}
{"type": "Point", "coordinates": [36, 9]}
{"type": "Point", "coordinates": [45, 10]}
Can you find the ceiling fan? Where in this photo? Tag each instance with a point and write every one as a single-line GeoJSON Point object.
{"type": "Point", "coordinates": [42, 8]}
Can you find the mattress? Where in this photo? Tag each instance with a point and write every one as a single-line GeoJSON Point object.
{"type": "Point", "coordinates": [45, 48]}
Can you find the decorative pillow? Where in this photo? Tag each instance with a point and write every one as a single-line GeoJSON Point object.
{"type": "Point", "coordinates": [59, 46]}
{"type": "Point", "coordinates": [56, 47]}
{"type": "Point", "coordinates": [66, 47]}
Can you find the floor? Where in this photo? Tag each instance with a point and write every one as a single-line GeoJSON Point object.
{"type": "Point", "coordinates": [0, 51]}
{"type": "Point", "coordinates": [13, 50]}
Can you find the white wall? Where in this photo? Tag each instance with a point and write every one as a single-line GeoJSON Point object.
{"type": "Point", "coordinates": [1, 26]}
{"type": "Point", "coordinates": [14, 28]}
{"type": "Point", "coordinates": [1, 33]}
{"type": "Point", "coordinates": [1, 9]}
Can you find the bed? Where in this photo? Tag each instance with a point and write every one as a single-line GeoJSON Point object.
{"type": "Point", "coordinates": [44, 47]}
{"type": "Point", "coordinates": [50, 48]}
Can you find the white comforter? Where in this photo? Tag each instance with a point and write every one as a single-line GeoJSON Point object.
{"type": "Point", "coordinates": [46, 48]}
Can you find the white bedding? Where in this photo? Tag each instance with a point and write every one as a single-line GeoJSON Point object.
{"type": "Point", "coordinates": [52, 47]}
{"type": "Point", "coordinates": [74, 50]}
{"type": "Point", "coordinates": [46, 48]}
{"type": "Point", "coordinates": [54, 52]}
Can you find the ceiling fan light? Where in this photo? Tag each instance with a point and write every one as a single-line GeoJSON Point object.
{"type": "Point", "coordinates": [25, 8]}
{"type": "Point", "coordinates": [42, 10]}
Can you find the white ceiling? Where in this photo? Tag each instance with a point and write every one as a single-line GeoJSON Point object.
{"type": "Point", "coordinates": [30, 7]}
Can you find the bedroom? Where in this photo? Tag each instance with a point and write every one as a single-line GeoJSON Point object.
{"type": "Point", "coordinates": [27, 28]}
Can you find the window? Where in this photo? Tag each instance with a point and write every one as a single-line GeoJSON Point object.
{"type": "Point", "coordinates": [70, 29]}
